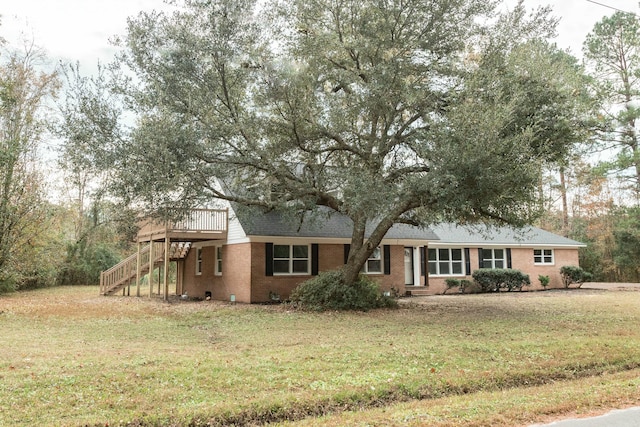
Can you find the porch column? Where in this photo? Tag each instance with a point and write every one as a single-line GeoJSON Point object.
{"type": "Point", "coordinates": [167, 244]}
{"type": "Point", "coordinates": [151, 256]}
{"type": "Point", "coordinates": [138, 270]}
{"type": "Point", "coordinates": [416, 266]}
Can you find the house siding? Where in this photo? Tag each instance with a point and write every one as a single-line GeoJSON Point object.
{"type": "Point", "coordinates": [234, 279]}
{"type": "Point", "coordinates": [521, 259]}
{"type": "Point", "coordinates": [245, 277]}
{"type": "Point", "coordinates": [330, 257]}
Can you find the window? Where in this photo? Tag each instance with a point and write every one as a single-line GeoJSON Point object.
{"type": "Point", "coordinates": [218, 260]}
{"type": "Point", "coordinates": [493, 258]}
{"type": "Point", "coordinates": [446, 261]}
{"type": "Point", "coordinates": [374, 262]}
{"type": "Point", "coordinates": [290, 259]}
{"type": "Point", "coordinates": [543, 256]}
{"type": "Point", "coordinates": [198, 260]}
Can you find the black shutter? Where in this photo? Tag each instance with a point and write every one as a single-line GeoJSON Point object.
{"type": "Point", "coordinates": [508, 257]}
{"type": "Point", "coordinates": [480, 258]}
{"type": "Point", "coordinates": [347, 248]}
{"type": "Point", "coordinates": [387, 259]}
{"type": "Point", "coordinates": [423, 260]}
{"type": "Point", "coordinates": [314, 259]}
{"type": "Point", "coordinates": [467, 262]}
{"type": "Point", "coordinates": [268, 256]}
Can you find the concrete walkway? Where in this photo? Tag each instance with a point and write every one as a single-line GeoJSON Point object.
{"type": "Point", "coordinates": [619, 418]}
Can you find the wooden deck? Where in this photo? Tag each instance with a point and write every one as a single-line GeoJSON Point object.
{"type": "Point", "coordinates": [164, 242]}
{"type": "Point", "coordinates": [199, 224]}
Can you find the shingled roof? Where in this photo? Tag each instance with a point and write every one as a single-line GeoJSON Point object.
{"type": "Point", "coordinates": [330, 224]}
{"type": "Point", "coordinates": [325, 224]}
{"type": "Point", "coordinates": [479, 234]}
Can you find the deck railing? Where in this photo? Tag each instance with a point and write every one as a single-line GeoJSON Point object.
{"type": "Point", "coordinates": [205, 221]}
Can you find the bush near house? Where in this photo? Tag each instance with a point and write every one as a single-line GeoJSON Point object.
{"type": "Point", "coordinates": [327, 291]}
{"type": "Point", "coordinates": [463, 285]}
{"type": "Point", "coordinates": [498, 279]}
{"type": "Point", "coordinates": [573, 274]}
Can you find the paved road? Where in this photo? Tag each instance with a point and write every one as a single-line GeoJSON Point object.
{"type": "Point", "coordinates": [619, 418]}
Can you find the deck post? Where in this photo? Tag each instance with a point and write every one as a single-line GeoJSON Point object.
{"type": "Point", "coordinates": [138, 270]}
{"type": "Point", "coordinates": [151, 257]}
{"type": "Point", "coordinates": [167, 244]}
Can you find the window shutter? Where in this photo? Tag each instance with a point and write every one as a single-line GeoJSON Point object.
{"type": "Point", "coordinates": [480, 258]}
{"type": "Point", "coordinates": [314, 259]}
{"type": "Point", "coordinates": [387, 259]}
{"type": "Point", "coordinates": [268, 256]}
{"type": "Point", "coordinates": [347, 248]}
{"type": "Point", "coordinates": [467, 262]}
{"type": "Point", "coordinates": [423, 260]}
{"type": "Point", "coordinates": [509, 258]}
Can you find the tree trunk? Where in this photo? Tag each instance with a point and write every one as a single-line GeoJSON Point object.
{"type": "Point", "coordinates": [565, 208]}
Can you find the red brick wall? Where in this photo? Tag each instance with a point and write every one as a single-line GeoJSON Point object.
{"type": "Point", "coordinates": [330, 257]}
{"type": "Point", "coordinates": [521, 259]}
{"type": "Point", "coordinates": [235, 273]}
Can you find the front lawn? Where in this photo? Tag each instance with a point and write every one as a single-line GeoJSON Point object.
{"type": "Point", "coordinates": [71, 357]}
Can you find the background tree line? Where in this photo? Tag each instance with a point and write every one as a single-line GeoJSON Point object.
{"type": "Point", "coordinates": [211, 97]}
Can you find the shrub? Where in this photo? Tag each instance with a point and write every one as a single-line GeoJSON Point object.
{"type": "Point", "coordinates": [495, 280]}
{"type": "Point", "coordinates": [450, 284]}
{"type": "Point", "coordinates": [544, 281]}
{"type": "Point", "coordinates": [573, 274]}
{"type": "Point", "coordinates": [327, 291]}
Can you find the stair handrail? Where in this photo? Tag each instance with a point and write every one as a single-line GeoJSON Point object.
{"type": "Point", "coordinates": [126, 269]}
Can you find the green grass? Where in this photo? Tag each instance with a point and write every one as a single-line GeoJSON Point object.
{"type": "Point", "coordinates": [70, 357]}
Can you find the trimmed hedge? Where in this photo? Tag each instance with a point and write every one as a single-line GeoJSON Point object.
{"type": "Point", "coordinates": [499, 279]}
{"type": "Point", "coordinates": [573, 274]}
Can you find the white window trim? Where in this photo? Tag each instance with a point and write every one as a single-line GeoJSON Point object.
{"type": "Point", "coordinates": [542, 255]}
{"type": "Point", "coordinates": [365, 268]}
{"type": "Point", "coordinates": [218, 264]}
{"type": "Point", "coordinates": [290, 259]}
{"type": "Point", "coordinates": [493, 258]}
{"type": "Point", "coordinates": [450, 261]}
{"type": "Point", "coordinates": [198, 261]}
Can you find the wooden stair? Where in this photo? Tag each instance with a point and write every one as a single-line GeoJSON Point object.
{"type": "Point", "coordinates": [126, 271]}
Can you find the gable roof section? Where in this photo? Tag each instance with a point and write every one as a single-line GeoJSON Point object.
{"type": "Point", "coordinates": [476, 235]}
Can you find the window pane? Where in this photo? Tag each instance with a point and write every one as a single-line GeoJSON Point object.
{"type": "Point", "coordinates": [548, 252]}
{"type": "Point", "coordinates": [300, 251]}
{"type": "Point", "coordinates": [373, 266]}
{"type": "Point", "coordinates": [537, 252]}
{"type": "Point", "coordinates": [375, 254]}
{"type": "Point", "coordinates": [281, 266]}
{"type": "Point", "coordinates": [456, 254]}
{"type": "Point", "coordinates": [457, 267]}
{"type": "Point", "coordinates": [281, 251]}
{"type": "Point", "coordinates": [433, 268]}
{"type": "Point", "coordinates": [300, 266]}
{"type": "Point", "coordinates": [499, 253]}
{"type": "Point", "coordinates": [444, 268]}
{"type": "Point", "coordinates": [537, 259]}
{"type": "Point", "coordinates": [443, 254]}
{"type": "Point", "coordinates": [548, 259]}
{"type": "Point", "coordinates": [487, 254]}
{"type": "Point", "coordinates": [487, 264]}
{"type": "Point", "coordinates": [499, 263]}
{"type": "Point", "coordinates": [432, 254]}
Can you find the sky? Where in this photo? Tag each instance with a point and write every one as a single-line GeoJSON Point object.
{"type": "Point", "coordinates": [79, 30]}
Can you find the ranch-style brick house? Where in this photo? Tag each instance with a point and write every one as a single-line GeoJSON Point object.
{"type": "Point", "coordinates": [232, 255]}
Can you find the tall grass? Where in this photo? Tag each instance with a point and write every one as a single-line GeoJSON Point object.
{"type": "Point", "coordinates": [70, 357]}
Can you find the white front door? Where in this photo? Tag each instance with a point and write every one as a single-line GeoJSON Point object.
{"type": "Point", "coordinates": [408, 266]}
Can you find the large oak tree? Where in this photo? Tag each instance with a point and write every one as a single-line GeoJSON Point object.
{"type": "Point", "coordinates": [392, 111]}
